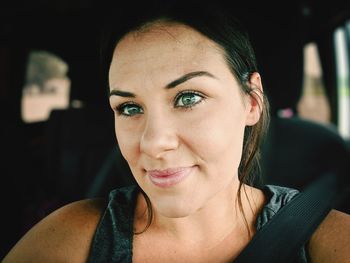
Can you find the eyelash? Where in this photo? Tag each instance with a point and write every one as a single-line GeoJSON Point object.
{"type": "Point", "coordinates": [120, 108]}
{"type": "Point", "coordinates": [188, 92]}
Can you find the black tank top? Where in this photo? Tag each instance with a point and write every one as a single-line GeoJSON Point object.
{"type": "Point", "coordinates": [113, 238]}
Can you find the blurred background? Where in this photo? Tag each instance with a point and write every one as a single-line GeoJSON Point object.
{"type": "Point", "coordinates": [57, 131]}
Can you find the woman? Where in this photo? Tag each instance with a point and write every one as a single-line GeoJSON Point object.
{"type": "Point", "coordinates": [189, 116]}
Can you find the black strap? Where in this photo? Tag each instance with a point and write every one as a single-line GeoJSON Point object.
{"type": "Point", "coordinates": [281, 238]}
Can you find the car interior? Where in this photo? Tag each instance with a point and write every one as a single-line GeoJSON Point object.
{"type": "Point", "coordinates": [57, 137]}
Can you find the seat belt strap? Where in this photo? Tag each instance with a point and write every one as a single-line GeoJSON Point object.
{"type": "Point", "coordinates": [292, 226]}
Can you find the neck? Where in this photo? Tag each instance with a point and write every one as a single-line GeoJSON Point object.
{"type": "Point", "coordinates": [213, 223]}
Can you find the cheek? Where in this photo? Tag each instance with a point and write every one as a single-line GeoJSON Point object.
{"type": "Point", "coordinates": [218, 136]}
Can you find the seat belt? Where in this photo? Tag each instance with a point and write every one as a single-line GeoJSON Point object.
{"type": "Point", "coordinates": [280, 239]}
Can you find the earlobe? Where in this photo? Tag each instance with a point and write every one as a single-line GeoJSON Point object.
{"type": "Point", "coordinates": [255, 100]}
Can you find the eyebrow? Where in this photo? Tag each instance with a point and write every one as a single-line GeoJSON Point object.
{"type": "Point", "coordinates": [187, 77]}
{"type": "Point", "coordinates": [171, 85]}
{"type": "Point", "coordinates": [125, 94]}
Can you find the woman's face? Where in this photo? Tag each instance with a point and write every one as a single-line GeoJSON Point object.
{"type": "Point", "coordinates": [180, 116]}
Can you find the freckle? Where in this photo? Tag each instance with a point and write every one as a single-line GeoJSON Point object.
{"type": "Point", "coordinates": [52, 229]}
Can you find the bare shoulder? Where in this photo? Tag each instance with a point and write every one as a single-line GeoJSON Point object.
{"type": "Point", "coordinates": [63, 236]}
{"type": "Point", "coordinates": [331, 240]}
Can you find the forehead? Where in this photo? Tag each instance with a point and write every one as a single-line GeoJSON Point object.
{"type": "Point", "coordinates": [172, 49]}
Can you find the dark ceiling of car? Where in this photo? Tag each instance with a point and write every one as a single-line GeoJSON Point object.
{"type": "Point", "coordinates": [71, 28]}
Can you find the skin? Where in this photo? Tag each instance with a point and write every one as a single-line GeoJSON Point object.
{"type": "Point", "coordinates": [195, 220]}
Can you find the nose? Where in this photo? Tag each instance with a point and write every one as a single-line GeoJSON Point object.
{"type": "Point", "coordinates": [159, 136]}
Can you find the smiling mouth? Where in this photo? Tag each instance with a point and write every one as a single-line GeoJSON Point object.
{"type": "Point", "coordinates": [169, 177]}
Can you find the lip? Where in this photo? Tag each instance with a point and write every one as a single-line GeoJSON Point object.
{"type": "Point", "coordinates": [169, 177]}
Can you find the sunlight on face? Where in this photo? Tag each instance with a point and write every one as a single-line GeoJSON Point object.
{"type": "Point", "coordinates": [179, 116]}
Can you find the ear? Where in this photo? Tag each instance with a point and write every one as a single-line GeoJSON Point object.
{"type": "Point", "coordinates": [255, 100]}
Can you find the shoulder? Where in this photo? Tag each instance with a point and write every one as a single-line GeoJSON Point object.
{"type": "Point", "coordinates": [63, 236]}
{"type": "Point", "coordinates": [331, 240]}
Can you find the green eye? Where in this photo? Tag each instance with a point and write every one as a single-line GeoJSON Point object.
{"type": "Point", "coordinates": [129, 110]}
{"type": "Point", "coordinates": [188, 99]}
